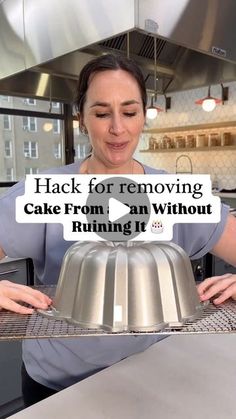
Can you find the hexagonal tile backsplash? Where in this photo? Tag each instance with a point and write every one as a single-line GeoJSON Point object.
{"type": "Point", "coordinates": [220, 163]}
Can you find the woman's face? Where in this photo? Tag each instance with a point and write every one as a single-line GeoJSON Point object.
{"type": "Point", "coordinates": [113, 116]}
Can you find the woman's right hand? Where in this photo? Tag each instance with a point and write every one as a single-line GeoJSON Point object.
{"type": "Point", "coordinates": [12, 294]}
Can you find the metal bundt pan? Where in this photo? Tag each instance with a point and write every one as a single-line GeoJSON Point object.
{"type": "Point", "coordinates": [128, 286]}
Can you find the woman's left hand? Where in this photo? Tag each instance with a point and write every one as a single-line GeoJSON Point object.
{"type": "Point", "coordinates": [218, 288]}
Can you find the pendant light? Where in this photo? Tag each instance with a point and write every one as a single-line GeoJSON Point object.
{"type": "Point", "coordinates": [209, 102]}
{"type": "Point", "coordinates": [48, 126]}
{"type": "Point", "coordinates": [152, 109]}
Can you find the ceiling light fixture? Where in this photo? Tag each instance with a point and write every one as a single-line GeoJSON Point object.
{"type": "Point", "coordinates": [152, 109]}
{"type": "Point", "coordinates": [209, 102]}
{"type": "Point", "coordinates": [48, 126]}
{"type": "Point", "coordinates": [75, 124]}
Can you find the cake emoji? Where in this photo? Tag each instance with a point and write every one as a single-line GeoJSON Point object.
{"type": "Point", "coordinates": [157, 227]}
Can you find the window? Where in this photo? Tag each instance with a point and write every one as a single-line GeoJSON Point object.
{"type": "Point", "coordinates": [7, 122]}
{"type": "Point", "coordinates": [29, 123]}
{"type": "Point", "coordinates": [5, 98]}
{"type": "Point", "coordinates": [8, 148]}
{"type": "Point", "coordinates": [29, 101]}
{"type": "Point", "coordinates": [20, 149]}
{"type": "Point", "coordinates": [57, 150]}
{"type": "Point", "coordinates": [9, 174]}
{"type": "Point", "coordinates": [56, 104]}
{"type": "Point", "coordinates": [56, 126]}
{"type": "Point", "coordinates": [81, 151]}
{"type": "Point", "coordinates": [31, 170]}
{"type": "Point", "coordinates": [31, 149]}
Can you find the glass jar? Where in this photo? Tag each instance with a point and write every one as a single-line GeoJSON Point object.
{"type": "Point", "coordinates": [213, 140]}
{"type": "Point", "coordinates": [226, 139]}
{"type": "Point", "coordinates": [163, 142]}
{"type": "Point", "coordinates": [168, 142]}
{"type": "Point", "coordinates": [190, 141]}
{"type": "Point", "coordinates": [179, 141]}
{"type": "Point", "coordinates": [201, 140]}
{"type": "Point", "coordinates": [156, 144]}
{"type": "Point", "coordinates": [152, 141]}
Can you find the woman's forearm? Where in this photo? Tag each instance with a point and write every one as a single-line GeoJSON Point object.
{"type": "Point", "coordinates": [2, 254]}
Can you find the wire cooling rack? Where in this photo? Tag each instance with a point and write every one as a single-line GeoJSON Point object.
{"type": "Point", "coordinates": [213, 319]}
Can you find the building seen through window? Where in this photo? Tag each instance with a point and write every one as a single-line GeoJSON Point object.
{"type": "Point", "coordinates": [6, 122]}
{"type": "Point", "coordinates": [31, 149]}
{"type": "Point", "coordinates": [57, 150]}
{"type": "Point", "coordinates": [81, 144]}
{"type": "Point", "coordinates": [25, 146]}
{"type": "Point", "coordinates": [31, 170]}
{"type": "Point", "coordinates": [29, 123]}
{"type": "Point", "coordinates": [29, 101]}
{"type": "Point", "coordinates": [9, 174]}
{"type": "Point", "coordinates": [8, 148]}
{"type": "Point", "coordinates": [56, 126]}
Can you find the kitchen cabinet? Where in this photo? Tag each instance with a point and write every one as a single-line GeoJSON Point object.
{"type": "Point", "coordinates": [18, 271]}
{"type": "Point", "coordinates": [10, 378]}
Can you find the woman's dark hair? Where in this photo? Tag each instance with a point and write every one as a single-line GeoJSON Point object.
{"type": "Point", "coordinates": [103, 63]}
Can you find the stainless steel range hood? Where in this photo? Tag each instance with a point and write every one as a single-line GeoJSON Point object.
{"type": "Point", "coordinates": [196, 42]}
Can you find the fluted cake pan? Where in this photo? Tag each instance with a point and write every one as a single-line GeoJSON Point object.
{"type": "Point", "coordinates": [127, 286]}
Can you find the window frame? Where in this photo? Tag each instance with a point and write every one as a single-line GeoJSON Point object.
{"type": "Point", "coordinates": [29, 101]}
{"type": "Point", "coordinates": [9, 122]}
{"type": "Point", "coordinates": [5, 98]}
{"type": "Point", "coordinates": [10, 148]}
{"type": "Point", "coordinates": [11, 175]}
{"type": "Point", "coordinates": [30, 149]}
{"type": "Point", "coordinates": [56, 124]}
{"type": "Point", "coordinates": [31, 170]}
{"type": "Point", "coordinates": [66, 116]}
{"type": "Point", "coordinates": [81, 155]}
{"type": "Point", "coordinates": [27, 125]}
{"type": "Point", "coordinates": [57, 153]}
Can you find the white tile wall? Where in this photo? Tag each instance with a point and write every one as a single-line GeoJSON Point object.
{"type": "Point", "coordinates": [220, 164]}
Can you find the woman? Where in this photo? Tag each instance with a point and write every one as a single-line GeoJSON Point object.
{"type": "Point", "coordinates": [111, 105]}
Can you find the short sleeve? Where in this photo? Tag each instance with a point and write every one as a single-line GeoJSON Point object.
{"type": "Point", "coordinates": [199, 239]}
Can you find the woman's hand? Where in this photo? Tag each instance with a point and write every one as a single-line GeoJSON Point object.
{"type": "Point", "coordinates": [218, 288]}
{"type": "Point", "coordinates": [10, 293]}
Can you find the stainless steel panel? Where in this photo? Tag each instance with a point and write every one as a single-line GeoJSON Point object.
{"type": "Point", "coordinates": [54, 28]}
{"type": "Point", "coordinates": [11, 37]}
{"type": "Point", "coordinates": [27, 84]}
{"type": "Point", "coordinates": [196, 70]}
{"type": "Point", "coordinates": [204, 25]}
{"type": "Point", "coordinates": [67, 66]}
{"type": "Point", "coordinates": [49, 36]}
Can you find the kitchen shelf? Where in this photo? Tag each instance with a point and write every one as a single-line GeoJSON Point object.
{"type": "Point", "coordinates": [225, 194]}
{"type": "Point", "coordinates": [212, 125]}
{"type": "Point", "coordinates": [193, 149]}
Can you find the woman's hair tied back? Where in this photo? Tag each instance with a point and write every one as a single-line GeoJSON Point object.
{"type": "Point", "coordinates": [103, 63]}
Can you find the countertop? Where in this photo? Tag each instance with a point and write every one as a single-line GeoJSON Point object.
{"type": "Point", "coordinates": [180, 377]}
{"type": "Point", "coordinates": [7, 260]}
